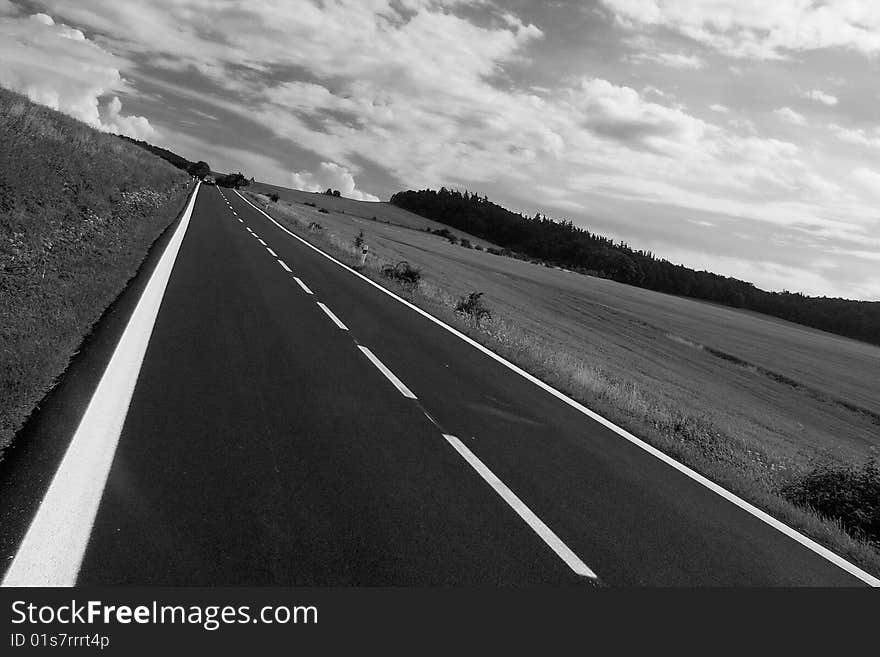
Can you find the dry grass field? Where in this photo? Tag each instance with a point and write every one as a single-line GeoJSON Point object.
{"type": "Point", "coordinates": [750, 400]}
{"type": "Point", "coordinates": [78, 212]}
{"type": "Point", "coordinates": [364, 210]}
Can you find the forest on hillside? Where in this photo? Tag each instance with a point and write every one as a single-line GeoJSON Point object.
{"type": "Point", "coordinates": [564, 244]}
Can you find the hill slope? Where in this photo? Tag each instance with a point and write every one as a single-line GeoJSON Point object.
{"type": "Point", "coordinates": [564, 244]}
{"type": "Point", "coordinates": [381, 212]}
{"type": "Point", "coordinates": [78, 211]}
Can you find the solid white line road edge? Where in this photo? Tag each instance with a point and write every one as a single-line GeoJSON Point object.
{"type": "Point", "coordinates": [53, 547]}
{"type": "Point", "coordinates": [547, 535]}
{"type": "Point", "coordinates": [749, 508]}
{"type": "Point", "coordinates": [406, 392]}
{"type": "Point", "coordinates": [333, 317]}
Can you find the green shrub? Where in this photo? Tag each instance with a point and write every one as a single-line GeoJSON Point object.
{"type": "Point", "coordinates": [472, 307]}
{"type": "Point", "coordinates": [403, 273]}
{"type": "Point", "coordinates": [847, 493]}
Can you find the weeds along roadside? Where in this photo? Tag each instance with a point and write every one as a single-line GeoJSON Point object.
{"type": "Point", "coordinates": [693, 440]}
{"type": "Point", "coordinates": [79, 210]}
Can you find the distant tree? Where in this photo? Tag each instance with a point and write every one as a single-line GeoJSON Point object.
{"type": "Point", "coordinates": [165, 154]}
{"type": "Point", "coordinates": [234, 180]}
{"type": "Point", "coordinates": [336, 192]}
{"type": "Point", "coordinates": [329, 192]}
{"type": "Point", "coordinates": [199, 169]}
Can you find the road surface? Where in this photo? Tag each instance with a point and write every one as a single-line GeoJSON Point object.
{"type": "Point", "coordinates": [291, 424]}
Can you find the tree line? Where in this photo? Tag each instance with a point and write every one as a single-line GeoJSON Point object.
{"type": "Point", "coordinates": [563, 244]}
{"type": "Point", "coordinates": [198, 169]}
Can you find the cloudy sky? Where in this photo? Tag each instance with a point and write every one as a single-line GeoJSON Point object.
{"type": "Point", "coordinates": [740, 136]}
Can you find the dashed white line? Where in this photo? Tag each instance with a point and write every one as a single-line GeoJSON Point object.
{"type": "Point", "coordinates": [303, 285]}
{"type": "Point", "coordinates": [333, 317]}
{"type": "Point", "coordinates": [283, 264]}
{"type": "Point", "coordinates": [547, 535]}
{"type": "Point", "coordinates": [406, 392]}
{"type": "Point", "coordinates": [692, 474]}
{"type": "Point", "coordinates": [261, 242]}
{"type": "Point", "coordinates": [271, 252]}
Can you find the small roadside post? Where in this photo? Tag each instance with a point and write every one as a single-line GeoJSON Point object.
{"type": "Point", "coordinates": [364, 249]}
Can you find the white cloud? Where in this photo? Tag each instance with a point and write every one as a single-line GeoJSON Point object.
{"type": "Point", "coordinates": [789, 115]}
{"type": "Point", "coordinates": [675, 60]}
{"type": "Point", "coordinates": [757, 28]}
{"type": "Point", "coordinates": [133, 126]}
{"type": "Point", "coordinates": [416, 41]}
{"type": "Point", "coordinates": [622, 114]}
{"type": "Point", "coordinates": [430, 96]}
{"type": "Point", "coordinates": [858, 136]}
{"type": "Point", "coordinates": [868, 178]}
{"type": "Point", "coordinates": [650, 89]}
{"type": "Point", "coordinates": [822, 97]}
{"type": "Point", "coordinates": [56, 65]}
{"type": "Point", "coordinates": [721, 109]}
{"type": "Point", "coordinates": [330, 175]}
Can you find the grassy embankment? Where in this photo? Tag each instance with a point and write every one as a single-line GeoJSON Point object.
{"type": "Point", "coordinates": [78, 212]}
{"type": "Point", "coordinates": [791, 416]}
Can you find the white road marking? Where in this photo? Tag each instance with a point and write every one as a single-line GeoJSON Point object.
{"type": "Point", "coordinates": [303, 285]}
{"type": "Point", "coordinates": [250, 231]}
{"type": "Point", "coordinates": [332, 316]}
{"type": "Point", "coordinates": [749, 508]}
{"type": "Point", "coordinates": [406, 392]}
{"type": "Point", "coordinates": [261, 242]}
{"type": "Point", "coordinates": [547, 535]}
{"type": "Point", "coordinates": [283, 264]}
{"type": "Point", "coordinates": [271, 252]}
{"type": "Point", "coordinates": [53, 547]}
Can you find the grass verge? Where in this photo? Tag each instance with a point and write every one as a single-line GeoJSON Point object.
{"type": "Point", "coordinates": [79, 210]}
{"type": "Point", "coordinates": [798, 496]}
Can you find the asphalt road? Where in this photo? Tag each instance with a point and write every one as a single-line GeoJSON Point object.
{"type": "Point", "coordinates": [264, 446]}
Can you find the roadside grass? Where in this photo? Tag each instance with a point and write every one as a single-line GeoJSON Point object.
{"type": "Point", "coordinates": [796, 493]}
{"type": "Point", "coordinates": [79, 210]}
